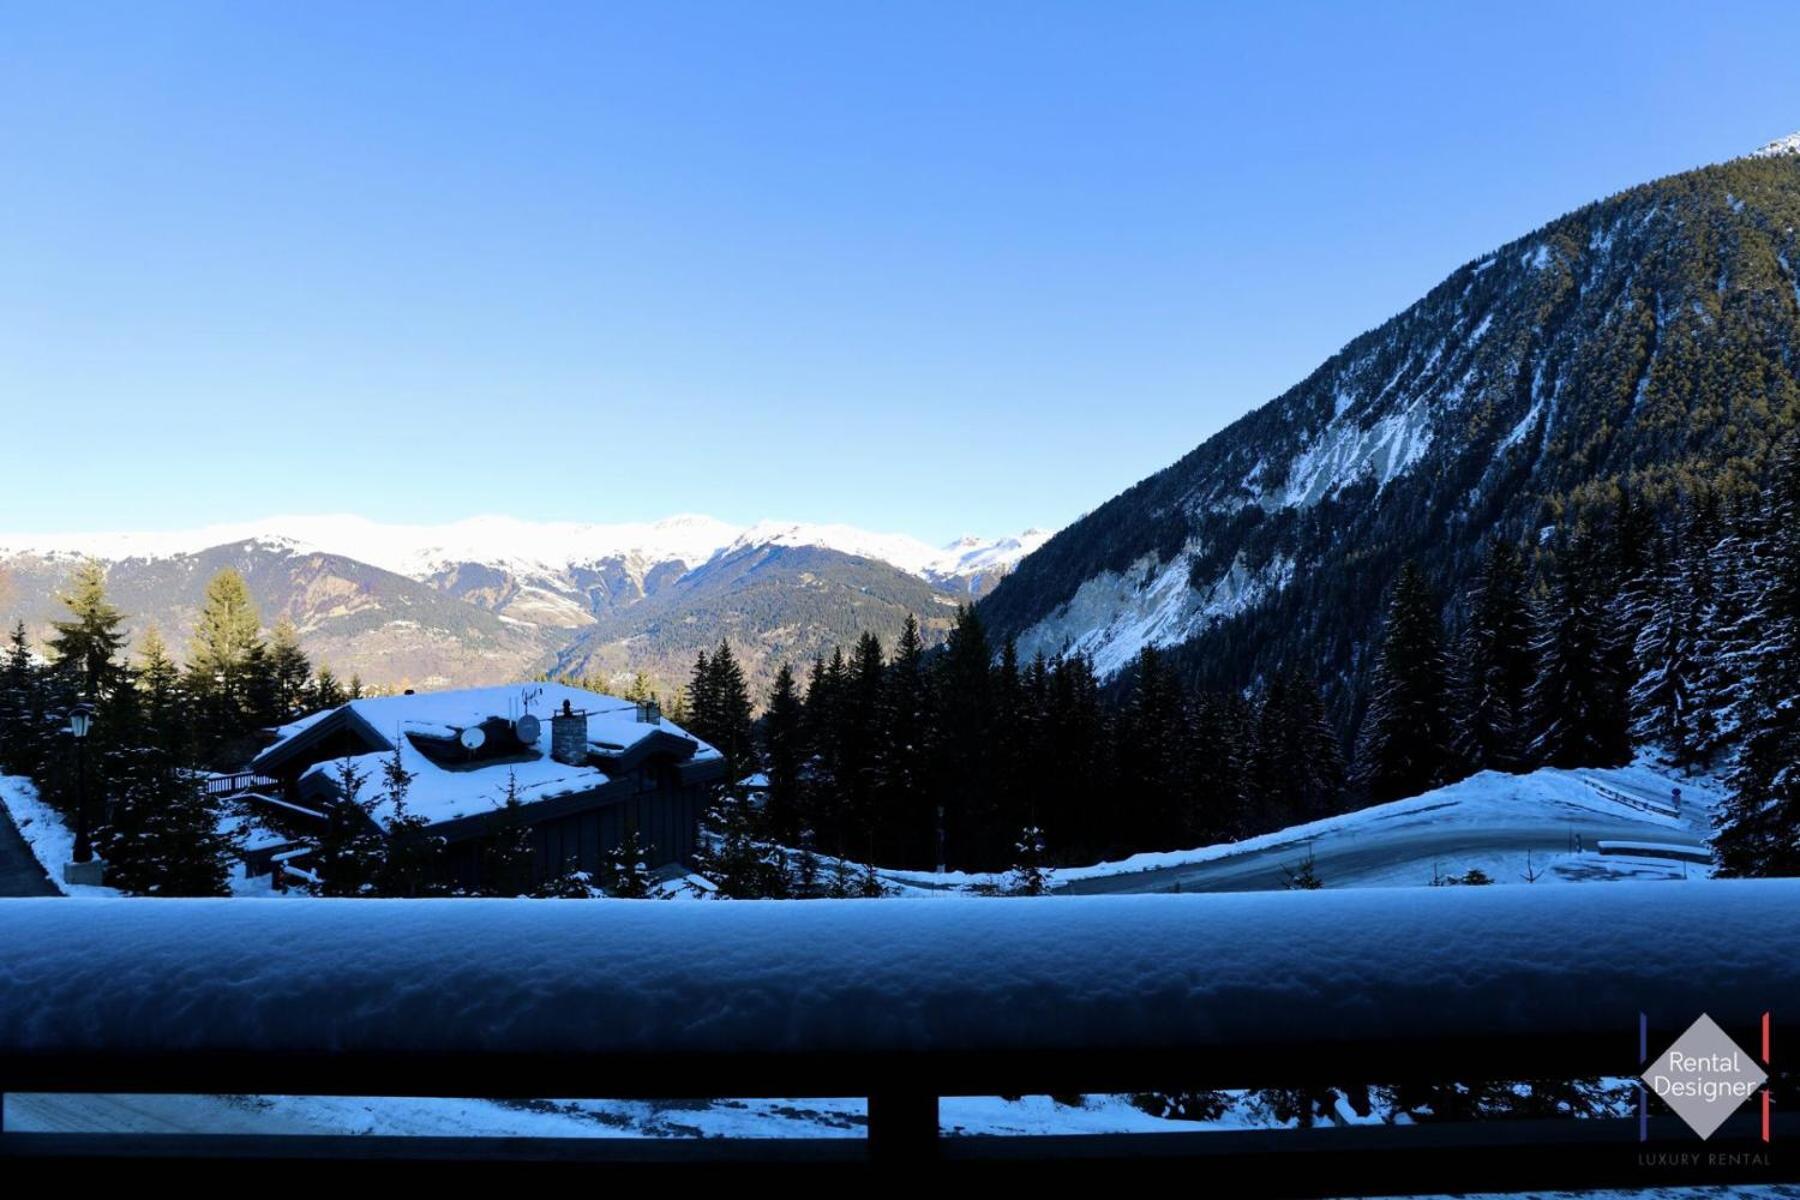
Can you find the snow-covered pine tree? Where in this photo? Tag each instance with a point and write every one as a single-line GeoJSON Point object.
{"type": "Point", "coordinates": [350, 847]}
{"type": "Point", "coordinates": [1664, 708]}
{"type": "Point", "coordinates": [1578, 701]}
{"type": "Point", "coordinates": [630, 868]}
{"type": "Point", "coordinates": [1305, 877]}
{"type": "Point", "coordinates": [409, 858]}
{"type": "Point", "coordinates": [161, 835]}
{"type": "Point", "coordinates": [509, 850]}
{"type": "Point", "coordinates": [1030, 874]}
{"type": "Point", "coordinates": [1492, 667]}
{"type": "Point", "coordinates": [1759, 830]}
{"type": "Point", "coordinates": [1405, 743]}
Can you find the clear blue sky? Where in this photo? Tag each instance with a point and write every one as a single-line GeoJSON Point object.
{"type": "Point", "coordinates": [916, 267]}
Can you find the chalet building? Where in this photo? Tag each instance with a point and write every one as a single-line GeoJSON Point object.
{"type": "Point", "coordinates": [588, 768]}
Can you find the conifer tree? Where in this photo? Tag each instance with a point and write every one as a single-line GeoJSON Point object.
{"type": "Point", "coordinates": [161, 702]}
{"type": "Point", "coordinates": [508, 851]}
{"type": "Point", "coordinates": [410, 851]}
{"type": "Point", "coordinates": [88, 642]}
{"type": "Point", "coordinates": [1494, 666]}
{"type": "Point", "coordinates": [1759, 831]}
{"type": "Point", "coordinates": [784, 754]}
{"type": "Point", "coordinates": [289, 672]}
{"type": "Point", "coordinates": [327, 692]}
{"type": "Point", "coordinates": [962, 755]}
{"type": "Point", "coordinates": [1405, 746]}
{"type": "Point", "coordinates": [1578, 701]}
{"type": "Point", "coordinates": [224, 659]}
{"type": "Point", "coordinates": [630, 874]}
{"type": "Point", "coordinates": [1030, 875]}
{"type": "Point", "coordinates": [350, 850]}
{"type": "Point", "coordinates": [161, 836]}
{"type": "Point", "coordinates": [905, 797]}
{"type": "Point", "coordinates": [23, 736]}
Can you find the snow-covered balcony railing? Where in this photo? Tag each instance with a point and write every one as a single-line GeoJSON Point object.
{"type": "Point", "coordinates": [904, 1001]}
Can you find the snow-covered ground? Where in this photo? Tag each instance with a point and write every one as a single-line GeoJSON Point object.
{"type": "Point", "coordinates": [1548, 825]}
{"type": "Point", "coordinates": [43, 829]}
{"type": "Point", "coordinates": [430, 1117]}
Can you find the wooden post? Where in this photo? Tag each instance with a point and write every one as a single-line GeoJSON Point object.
{"type": "Point", "coordinates": [903, 1126]}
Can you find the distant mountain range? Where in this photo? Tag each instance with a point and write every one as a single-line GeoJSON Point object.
{"type": "Point", "coordinates": [495, 598]}
{"type": "Point", "coordinates": [1648, 340]}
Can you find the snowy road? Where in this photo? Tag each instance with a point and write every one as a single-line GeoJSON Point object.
{"type": "Point", "coordinates": [20, 874]}
{"type": "Point", "coordinates": [1546, 824]}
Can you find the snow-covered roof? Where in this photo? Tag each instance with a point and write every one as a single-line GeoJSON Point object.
{"type": "Point", "coordinates": [440, 793]}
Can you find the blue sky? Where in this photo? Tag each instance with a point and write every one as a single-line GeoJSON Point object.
{"type": "Point", "coordinates": [929, 268]}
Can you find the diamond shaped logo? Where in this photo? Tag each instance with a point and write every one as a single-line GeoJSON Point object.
{"type": "Point", "coordinates": [1704, 1076]}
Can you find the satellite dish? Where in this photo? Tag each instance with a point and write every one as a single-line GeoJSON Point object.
{"type": "Point", "coordinates": [473, 738]}
{"type": "Point", "coordinates": [527, 729]}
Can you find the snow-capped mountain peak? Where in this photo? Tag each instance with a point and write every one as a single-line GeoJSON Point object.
{"type": "Point", "coordinates": [1780, 147]}
{"type": "Point", "coordinates": [535, 547]}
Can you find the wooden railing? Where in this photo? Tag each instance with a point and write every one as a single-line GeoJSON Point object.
{"type": "Point", "coordinates": [906, 1001]}
{"type": "Point", "coordinates": [240, 781]}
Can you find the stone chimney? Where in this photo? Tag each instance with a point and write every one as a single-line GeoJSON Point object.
{"type": "Point", "coordinates": [568, 736]}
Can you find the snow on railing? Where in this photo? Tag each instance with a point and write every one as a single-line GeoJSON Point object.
{"type": "Point", "coordinates": [1641, 803]}
{"type": "Point", "coordinates": [240, 781]}
{"type": "Point", "coordinates": [899, 1000]}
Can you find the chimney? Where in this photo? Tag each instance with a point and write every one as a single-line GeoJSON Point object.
{"type": "Point", "coordinates": [649, 712]}
{"type": "Point", "coordinates": [568, 736]}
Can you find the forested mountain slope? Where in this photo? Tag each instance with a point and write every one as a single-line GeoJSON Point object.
{"type": "Point", "coordinates": [1649, 340]}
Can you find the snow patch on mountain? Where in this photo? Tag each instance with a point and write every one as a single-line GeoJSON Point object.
{"type": "Point", "coordinates": [1114, 616]}
{"type": "Point", "coordinates": [1344, 452]}
{"type": "Point", "coordinates": [1779, 148]}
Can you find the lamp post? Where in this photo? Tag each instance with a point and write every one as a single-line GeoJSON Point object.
{"type": "Point", "coordinates": [84, 869]}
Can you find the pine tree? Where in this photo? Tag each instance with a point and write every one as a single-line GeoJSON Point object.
{"type": "Point", "coordinates": [1578, 701]}
{"type": "Point", "coordinates": [962, 745]}
{"type": "Point", "coordinates": [908, 807]}
{"type": "Point", "coordinates": [783, 754]}
{"type": "Point", "coordinates": [409, 853]}
{"type": "Point", "coordinates": [23, 703]}
{"type": "Point", "coordinates": [1668, 656]}
{"type": "Point", "coordinates": [1305, 877]}
{"type": "Point", "coordinates": [289, 672]}
{"type": "Point", "coordinates": [1152, 754]}
{"type": "Point", "coordinates": [327, 692]}
{"type": "Point", "coordinates": [350, 849]}
{"type": "Point", "coordinates": [87, 644]}
{"type": "Point", "coordinates": [1030, 875]}
{"type": "Point", "coordinates": [225, 657]}
{"type": "Point", "coordinates": [1405, 746]}
{"type": "Point", "coordinates": [161, 703]}
{"type": "Point", "coordinates": [1759, 832]}
{"type": "Point", "coordinates": [509, 849]}
{"type": "Point", "coordinates": [631, 877]}
{"type": "Point", "coordinates": [1494, 666]}
{"type": "Point", "coordinates": [161, 836]}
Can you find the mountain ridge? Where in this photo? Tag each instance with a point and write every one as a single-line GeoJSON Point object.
{"type": "Point", "coordinates": [1648, 339]}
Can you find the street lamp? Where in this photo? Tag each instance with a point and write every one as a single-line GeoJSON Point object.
{"type": "Point", "coordinates": [82, 870]}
